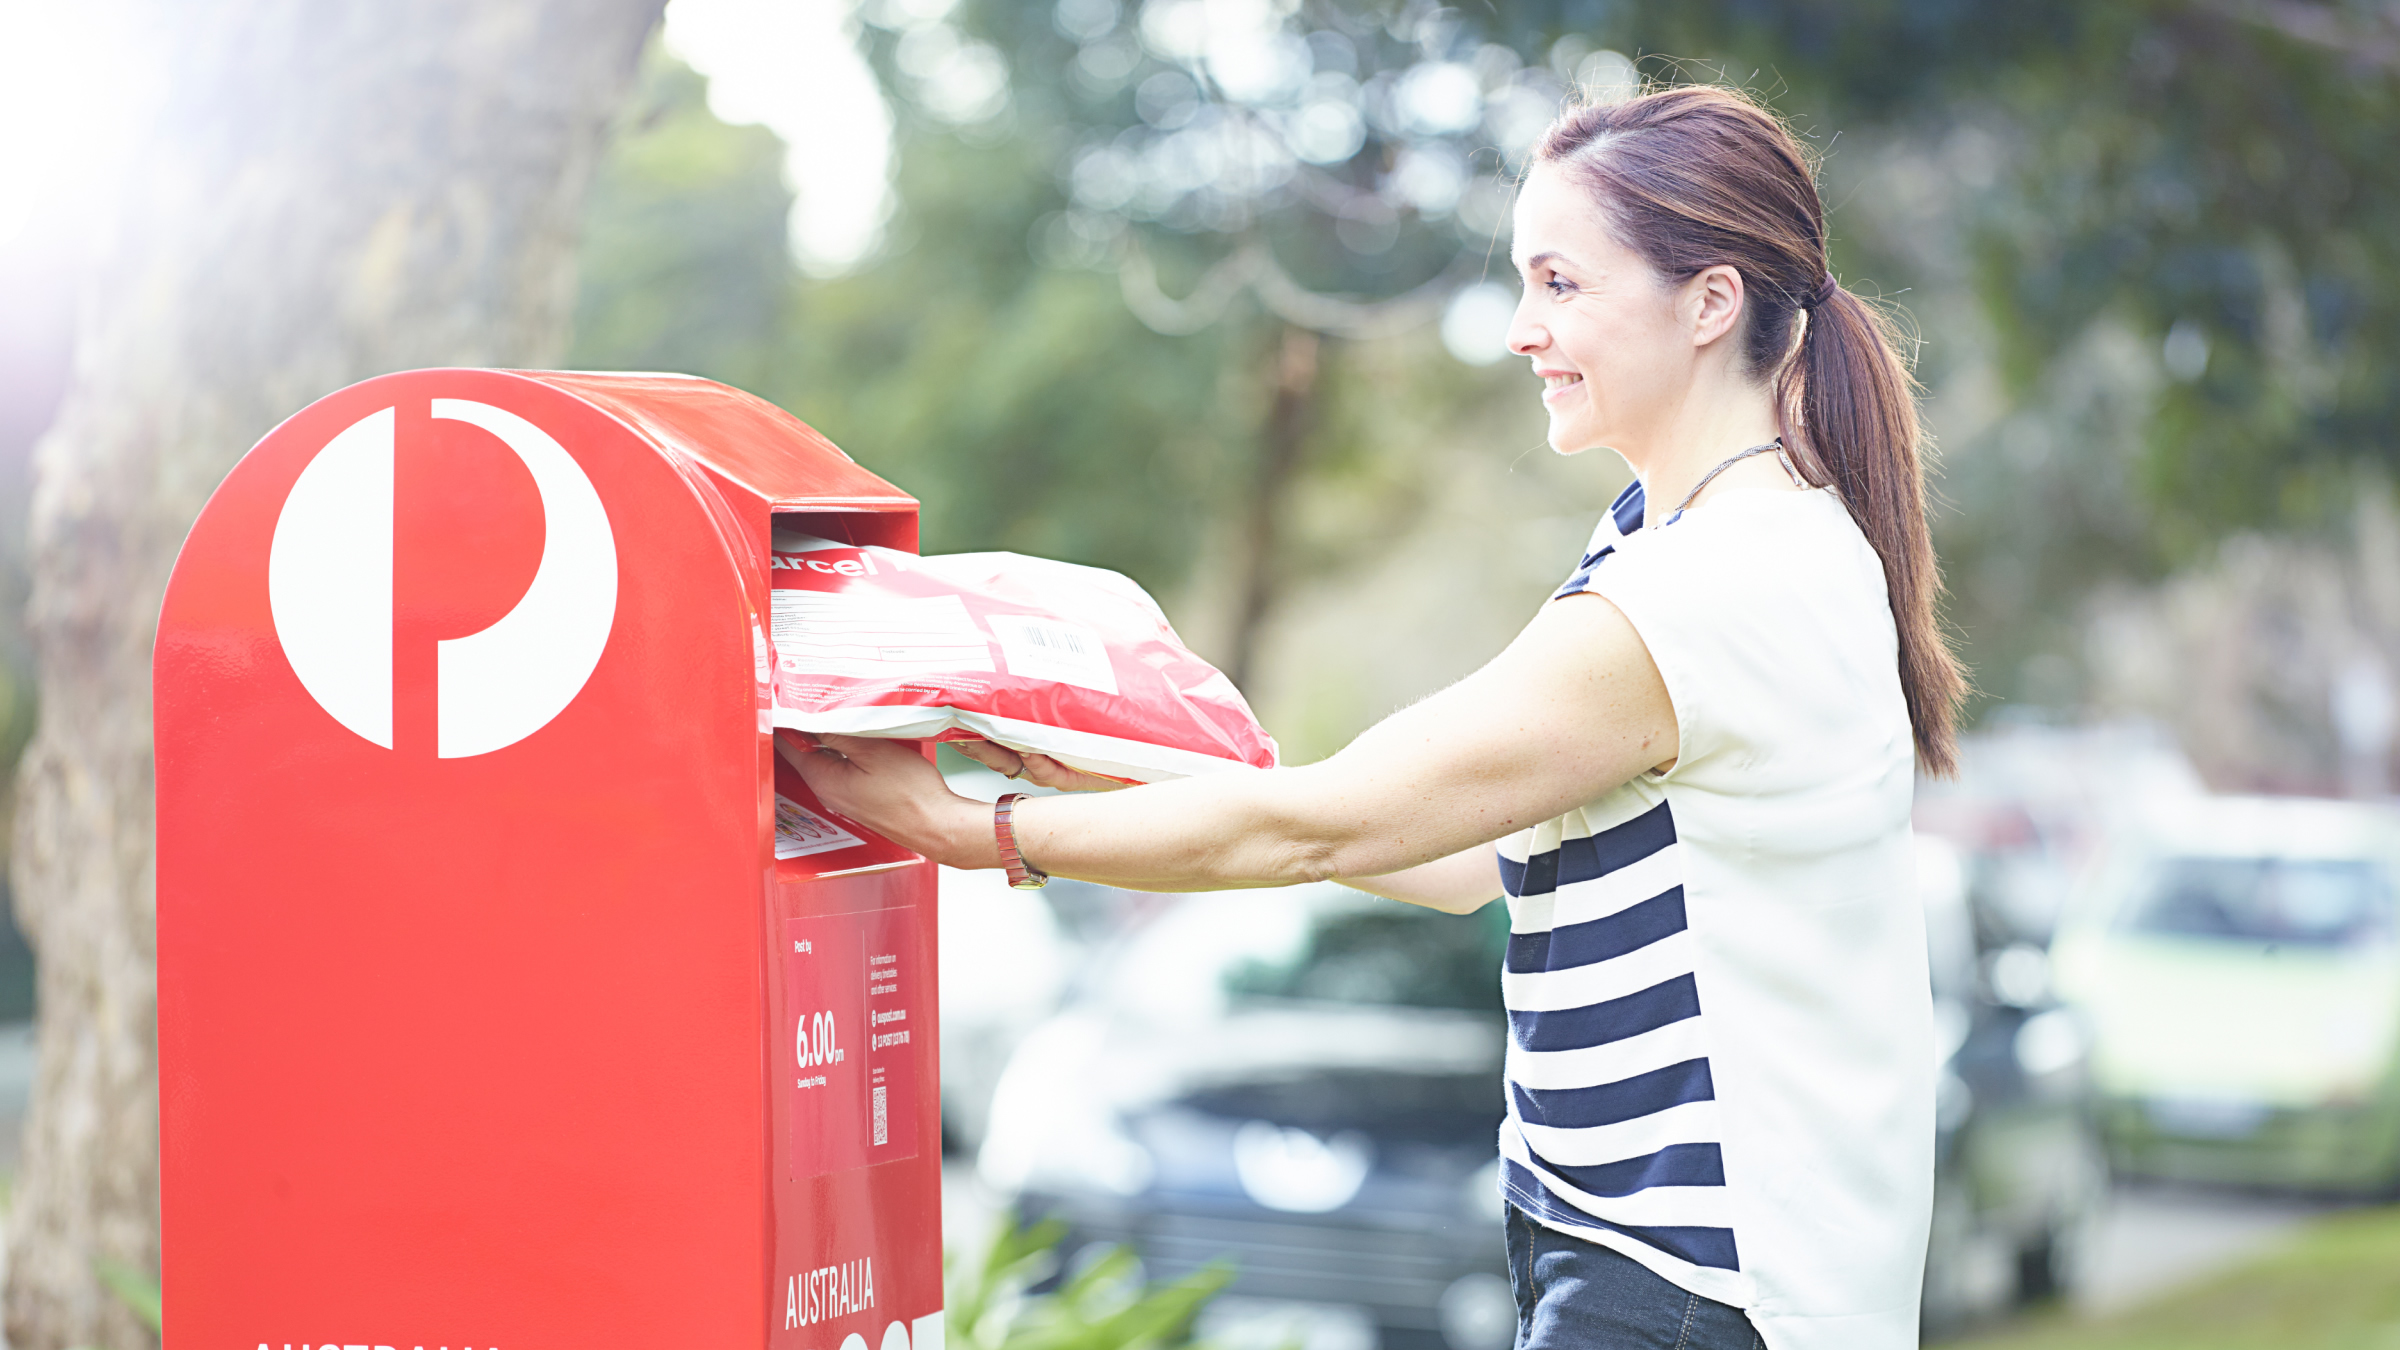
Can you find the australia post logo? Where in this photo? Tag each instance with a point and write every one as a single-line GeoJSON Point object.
{"type": "Point", "coordinates": [329, 586]}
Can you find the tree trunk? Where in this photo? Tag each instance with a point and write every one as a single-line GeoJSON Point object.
{"type": "Point", "coordinates": [1283, 442]}
{"type": "Point", "coordinates": [337, 190]}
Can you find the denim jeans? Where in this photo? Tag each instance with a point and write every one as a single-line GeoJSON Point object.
{"type": "Point", "coordinates": [1578, 1295]}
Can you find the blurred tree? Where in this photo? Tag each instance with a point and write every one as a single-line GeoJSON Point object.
{"type": "Point", "coordinates": [2217, 177]}
{"type": "Point", "coordinates": [1025, 404]}
{"type": "Point", "coordinates": [1261, 183]}
{"type": "Point", "coordinates": [336, 191]}
{"type": "Point", "coordinates": [684, 264]}
{"type": "Point", "coordinates": [2209, 178]}
{"type": "Point", "coordinates": [2153, 243]}
{"type": "Point", "coordinates": [985, 362]}
{"type": "Point", "coordinates": [2271, 660]}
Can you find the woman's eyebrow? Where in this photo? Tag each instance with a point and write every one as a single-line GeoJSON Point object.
{"type": "Point", "coordinates": [1539, 258]}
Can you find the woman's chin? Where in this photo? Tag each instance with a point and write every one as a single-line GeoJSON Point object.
{"type": "Point", "coordinates": [1569, 440]}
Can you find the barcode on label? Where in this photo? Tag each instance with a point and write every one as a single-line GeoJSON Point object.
{"type": "Point", "coordinates": [883, 1129]}
{"type": "Point", "coordinates": [1041, 648]}
{"type": "Point", "coordinates": [1056, 639]}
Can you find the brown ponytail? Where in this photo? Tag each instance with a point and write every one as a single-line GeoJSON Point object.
{"type": "Point", "coordinates": [1700, 176]}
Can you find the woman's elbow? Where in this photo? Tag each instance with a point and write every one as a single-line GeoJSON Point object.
{"type": "Point", "coordinates": [1331, 860]}
{"type": "Point", "coordinates": [1310, 860]}
{"type": "Point", "coordinates": [1292, 855]}
{"type": "Point", "coordinates": [1301, 846]}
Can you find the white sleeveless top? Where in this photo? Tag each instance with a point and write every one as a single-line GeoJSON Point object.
{"type": "Point", "coordinates": [1721, 1050]}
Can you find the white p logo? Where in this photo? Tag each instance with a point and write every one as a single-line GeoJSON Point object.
{"type": "Point", "coordinates": [329, 584]}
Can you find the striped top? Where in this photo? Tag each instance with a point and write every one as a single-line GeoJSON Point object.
{"type": "Point", "coordinates": [1613, 1108]}
{"type": "Point", "coordinates": [1720, 1058]}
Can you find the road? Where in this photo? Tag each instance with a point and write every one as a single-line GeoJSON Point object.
{"type": "Point", "coordinates": [2158, 1236]}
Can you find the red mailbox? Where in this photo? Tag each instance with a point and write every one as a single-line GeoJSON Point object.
{"type": "Point", "coordinates": [511, 994]}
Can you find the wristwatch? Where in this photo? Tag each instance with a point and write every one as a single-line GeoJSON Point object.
{"type": "Point", "coordinates": [1021, 874]}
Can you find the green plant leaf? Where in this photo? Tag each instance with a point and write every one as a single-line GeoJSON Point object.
{"type": "Point", "coordinates": [1090, 1310]}
{"type": "Point", "coordinates": [134, 1289]}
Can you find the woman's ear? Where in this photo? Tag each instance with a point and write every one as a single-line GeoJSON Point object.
{"type": "Point", "coordinates": [1713, 300]}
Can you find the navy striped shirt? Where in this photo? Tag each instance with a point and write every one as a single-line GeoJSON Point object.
{"type": "Point", "coordinates": [1612, 1120]}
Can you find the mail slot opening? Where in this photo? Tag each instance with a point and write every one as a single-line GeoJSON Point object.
{"type": "Point", "coordinates": [886, 529]}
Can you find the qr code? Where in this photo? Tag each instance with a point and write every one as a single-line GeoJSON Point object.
{"type": "Point", "coordinates": [883, 1129]}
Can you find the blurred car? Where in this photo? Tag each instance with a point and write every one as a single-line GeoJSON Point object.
{"type": "Point", "coordinates": [1003, 967]}
{"type": "Point", "coordinates": [2239, 964]}
{"type": "Point", "coordinates": [1305, 1082]}
{"type": "Point", "coordinates": [2020, 1178]}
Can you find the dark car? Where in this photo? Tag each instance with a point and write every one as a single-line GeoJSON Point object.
{"type": "Point", "coordinates": [1304, 1082]}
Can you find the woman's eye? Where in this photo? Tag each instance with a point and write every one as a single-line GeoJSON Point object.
{"type": "Point", "coordinates": [1559, 286]}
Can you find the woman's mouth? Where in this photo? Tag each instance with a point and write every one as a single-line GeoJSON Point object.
{"type": "Point", "coordinates": [1555, 386]}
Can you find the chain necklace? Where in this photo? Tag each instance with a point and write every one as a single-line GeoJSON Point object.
{"type": "Point", "coordinates": [1774, 447]}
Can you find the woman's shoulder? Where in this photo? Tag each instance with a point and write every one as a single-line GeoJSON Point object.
{"type": "Point", "coordinates": [1766, 614]}
{"type": "Point", "coordinates": [1745, 548]}
{"type": "Point", "coordinates": [1753, 512]}
{"type": "Point", "coordinates": [1762, 537]}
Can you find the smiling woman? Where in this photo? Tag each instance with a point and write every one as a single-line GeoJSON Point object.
{"type": "Point", "coordinates": [1690, 775]}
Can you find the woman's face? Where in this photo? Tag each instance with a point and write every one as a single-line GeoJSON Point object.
{"type": "Point", "coordinates": [1602, 328]}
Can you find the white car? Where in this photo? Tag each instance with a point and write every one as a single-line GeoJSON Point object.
{"type": "Point", "coordinates": [1004, 965]}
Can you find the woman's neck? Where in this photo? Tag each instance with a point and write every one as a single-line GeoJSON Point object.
{"type": "Point", "coordinates": [1703, 436]}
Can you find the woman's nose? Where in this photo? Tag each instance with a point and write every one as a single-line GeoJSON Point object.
{"type": "Point", "coordinates": [1525, 337]}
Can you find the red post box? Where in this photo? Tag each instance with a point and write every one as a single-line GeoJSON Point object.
{"type": "Point", "coordinates": [511, 994]}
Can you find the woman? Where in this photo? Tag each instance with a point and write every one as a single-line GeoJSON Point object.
{"type": "Point", "coordinates": [1690, 775]}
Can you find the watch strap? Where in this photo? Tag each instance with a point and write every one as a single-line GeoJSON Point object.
{"type": "Point", "coordinates": [1022, 875]}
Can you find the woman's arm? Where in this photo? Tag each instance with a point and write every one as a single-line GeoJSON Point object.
{"type": "Point", "coordinates": [1462, 883]}
{"type": "Point", "coordinates": [1571, 709]}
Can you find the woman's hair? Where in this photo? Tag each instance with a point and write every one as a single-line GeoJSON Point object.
{"type": "Point", "coordinates": [1700, 176]}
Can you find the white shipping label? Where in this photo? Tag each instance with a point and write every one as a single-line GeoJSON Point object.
{"type": "Point", "coordinates": [800, 831]}
{"type": "Point", "coordinates": [1053, 649]}
{"type": "Point", "coordinates": [863, 638]}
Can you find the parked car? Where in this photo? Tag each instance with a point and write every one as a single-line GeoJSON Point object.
{"type": "Point", "coordinates": [1004, 966]}
{"type": "Point", "coordinates": [2020, 1179]}
{"type": "Point", "coordinates": [1303, 1081]}
{"type": "Point", "coordinates": [2239, 961]}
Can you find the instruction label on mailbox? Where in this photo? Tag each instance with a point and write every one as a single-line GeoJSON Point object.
{"type": "Point", "coordinates": [852, 982]}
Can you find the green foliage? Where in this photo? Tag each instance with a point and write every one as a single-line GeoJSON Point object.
{"type": "Point", "coordinates": [1024, 403]}
{"type": "Point", "coordinates": [2156, 242]}
{"type": "Point", "coordinates": [1104, 1306]}
{"type": "Point", "coordinates": [2223, 181]}
{"type": "Point", "coordinates": [133, 1288]}
{"type": "Point", "coordinates": [683, 264]}
{"type": "Point", "coordinates": [2224, 168]}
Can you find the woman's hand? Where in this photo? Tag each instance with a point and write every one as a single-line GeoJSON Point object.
{"type": "Point", "coordinates": [1039, 769]}
{"type": "Point", "coordinates": [892, 789]}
